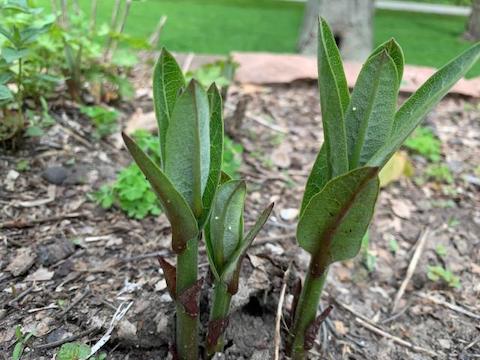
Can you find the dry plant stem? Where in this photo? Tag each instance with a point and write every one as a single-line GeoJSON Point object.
{"type": "Point", "coordinates": [121, 27]}
{"type": "Point", "coordinates": [93, 16]}
{"type": "Point", "coordinates": [186, 325]}
{"type": "Point", "coordinates": [153, 41]}
{"type": "Point", "coordinates": [220, 308]}
{"type": "Point", "coordinates": [306, 311]}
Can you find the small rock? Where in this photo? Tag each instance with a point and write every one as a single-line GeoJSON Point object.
{"type": "Point", "coordinates": [288, 214]}
{"type": "Point", "coordinates": [472, 180]}
{"type": "Point", "coordinates": [161, 285]}
{"type": "Point", "coordinates": [274, 249]}
{"type": "Point", "coordinates": [444, 343]}
{"type": "Point", "coordinates": [42, 274]}
{"type": "Point", "coordinates": [402, 208]}
{"type": "Point", "coordinates": [23, 261]}
{"type": "Point", "coordinates": [3, 313]}
{"type": "Point", "coordinates": [281, 156]}
{"type": "Point", "coordinates": [55, 175]}
{"type": "Point", "coordinates": [127, 331]}
{"type": "Point", "coordinates": [10, 180]}
{"type": "Point", "coordinates": [53, 253]}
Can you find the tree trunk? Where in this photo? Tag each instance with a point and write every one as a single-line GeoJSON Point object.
{"type": "Point", "coordinates": [351, 22]}
{"type": "Point", "coordinates": [473, 25]}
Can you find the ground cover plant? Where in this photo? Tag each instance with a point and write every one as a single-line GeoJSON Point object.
{"type": "Point", "coordinates": [186, 182]}
{"type": "Point", "coordinates": [362, 130]}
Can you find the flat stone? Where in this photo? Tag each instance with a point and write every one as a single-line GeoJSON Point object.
{"type": "Point", "coordinates": [55, 175]}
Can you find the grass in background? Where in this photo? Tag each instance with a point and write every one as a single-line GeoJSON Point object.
{"type": "Point", "coordinates": [221, 26]}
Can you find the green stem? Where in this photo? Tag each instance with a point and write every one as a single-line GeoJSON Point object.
{"type": "Point", "coordinates": [306, 311]}
{"type": "Point", "coordinates": [219, 310]}
{"type": "Point", "coordinates": [187, 325]}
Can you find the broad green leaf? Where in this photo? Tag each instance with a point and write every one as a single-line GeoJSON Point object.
{"type": "Point", "coordinates": [226, 221]}
{"type": "Point", "coordinates": [7, 34]}
{"type": "Point", "coordinates": [10, 54]}
{"type": "Point", "coordinates": [216, 148]}
{"type": "Point", "coordinates": [73, 351]}
{"type": "Point", "coordinates": [335, 220]}
{"type": "Point", "coordinates": [5, 93]}
{"type": "Point", "coordinates": [233, 265]}
{"type": "Point", "coordinates": [182, 220]}
{"type": "Point", "coordinates": [369, 117]}
{"type": "Point", "coordinates": [317, 179]}
{"type": "Point", "coordinates": [167, 82]}
{"type": "Point", "coordinates": [396, 53]}
{"type": "Point", "coordinates": [423, 100]}
{"type": "Point", "coordinates": [334, 99]}
{"type": "Point", "coordinates": [187, 145]}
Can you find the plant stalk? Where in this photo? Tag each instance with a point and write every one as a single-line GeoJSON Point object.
{"type": "Point", "coordinates": [219, 311]}
{"type": "Point", "coordinates": [306, 311]}
{"type": "Point", "coordinates": [187, 325]}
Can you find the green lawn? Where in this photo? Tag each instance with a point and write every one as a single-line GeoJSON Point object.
{"type": "Point", "coordinates": [220, 26]}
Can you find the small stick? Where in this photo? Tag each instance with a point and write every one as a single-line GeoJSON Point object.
{"type": "Point", "coordinates": [260, 121]}
{"type": "Point", "coordinates": [64, 9]}
{"type": "Point", "coordinates": [93, 16]}
{"type": "Point", "coordinates": [353, 312]}
{"type": "Point", "coordinates": [76, 7]}
{"type": "Point", "coordinates": [113, 25]}
{"type": "Point", "coordinates": [158, 30]}
{"type": "Point", "coordinates": [54, 344]}
{"type": "Point", "coordinates": [22, 223]}
{"type": "Point", "coordinates": [20, 296]}
{"type": "Point", "coordinates": [411, 267]}
{"type": "Point", "coordinates": [448, 305]}
{"type": "Point", "coordinates": [395, 339]}
{"type": "Point", "coordinates": [75, 302]}
{"type": "Point", "coordinates": [121, 27]}
{"type": "Point", "coordinates": [278, 318]}
{"type": "Point", "coordinates": [187, 63]}
{"type": "Point", "coordinates": [145, 256]}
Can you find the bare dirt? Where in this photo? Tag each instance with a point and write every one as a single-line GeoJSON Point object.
{"type": "Point", "coordinates": [66, 265]}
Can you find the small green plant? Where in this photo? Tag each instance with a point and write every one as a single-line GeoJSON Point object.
{"type": "Point", "coordinates": [232, 157]}
{"type": "Point", "coordinates": [362, 131]}
{"type": "Point", "coordinates": [424, 142]}
{"type": "Point", "coordinates": [439, 273]}
{"type": "Point", "coordinates": [77, 351]}
{"type": "Point", "coordinates": [220, 72]}
{"type": "Point", "coordinates": [104, 120]}
{"type": "Point", "coordinates": [186, 181]}
{"type": "Point", "coordinates": [369, 258]}
{"type": "Point", "coordinates": [130, 191]}
{"type": "Point", "coordinates": [21, 342]}
{"type": "Point", "coordinates": [439, 173]}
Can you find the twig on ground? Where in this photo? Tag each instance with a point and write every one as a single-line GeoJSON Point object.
{"type": "Point", "coordinates": [448, 305]}
{"type": "Point", "coordinates": [269, 239]}
{"type": "Point", "coordinates": [260, 121]}
{"type": "Point", "coordinates": [20, 296]}
{"type": "Point", "coordinates": [278, 319]}
{"type": "Point", "coordinates": [75, 302]}
{"type": "Point", "coordinates": [411, 267]}
{"type": "Point", "coordinates": [472, 344]}
{"type": "Point", "coordinates": [145, 256]}
{"type": "Point", "coordinates": [353, 312]}
{"type": "Point", "coordinates": [22, 223]}
{"type": "Point", "coordinates": [54, 344]}
{"type": "Point", "coordinates": [119, 314]}
{"type": "Point", "coordinates": [395, 339]}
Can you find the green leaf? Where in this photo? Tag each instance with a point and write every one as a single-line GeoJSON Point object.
{"type": "Point", "coordinates": [334, 99]}
{"type": "Point", "coordinates": [335, 220]}
{"type": "Point", "coordinates": [317, 179]}
{"type": "Point", "coordinates": [232, 266]}
{"type": "Point", "coordinates": [5, 93]}
{"type": "Point", "coordinates": [182, 220]}
{"type": "Point", "coordinates": [73, 351]}
{"type": "Point", "coordinates": [216, 148]}
{"type": "Point", "coordinates": [187, 145]}
{"type": "Point", "coordinates": [7, 34]}
{"type": "Point", "coordinates": [10, 54]}
{"type": "Point", "coordinates": [369, 117]}
{"type": "Point", "coordinates": [167, 82]}
{"type": "Point", "coordinates": [396, 53]}
{"type": "Point", "coordinates": [225, 230]}
{"type": "Point", "coordinates": [423, 100]}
